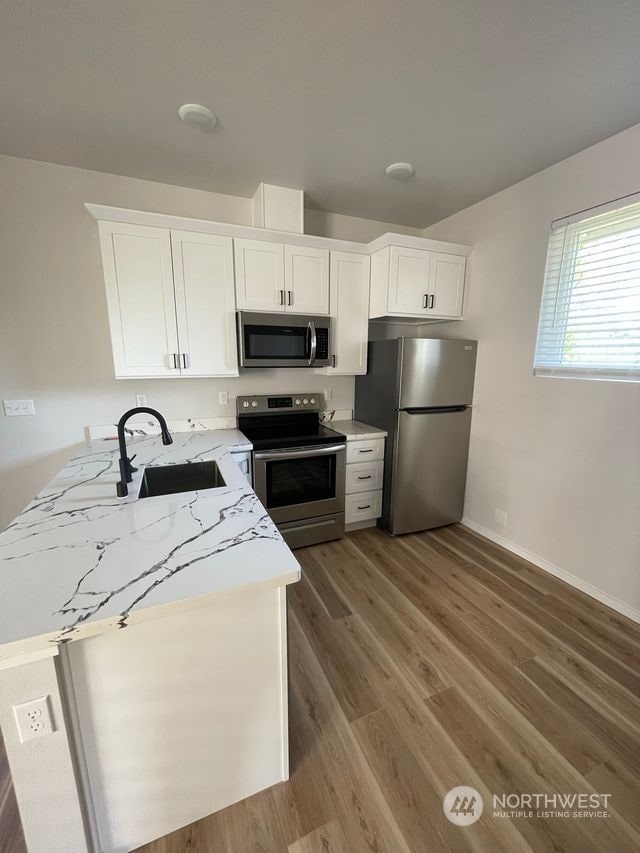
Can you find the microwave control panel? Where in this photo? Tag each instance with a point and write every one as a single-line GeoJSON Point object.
{"type": "Point", "coordinates": [322, 343]}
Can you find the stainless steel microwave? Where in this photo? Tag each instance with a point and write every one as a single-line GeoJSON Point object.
{"type": "Point", "coordinates": [283, 340]}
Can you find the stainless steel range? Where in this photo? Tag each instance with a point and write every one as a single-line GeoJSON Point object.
{"type": "Point", "coordinates": [298, 465]}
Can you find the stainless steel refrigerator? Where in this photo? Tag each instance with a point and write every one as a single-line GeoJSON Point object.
{"type": "Point", "coordinates": [420, 391]}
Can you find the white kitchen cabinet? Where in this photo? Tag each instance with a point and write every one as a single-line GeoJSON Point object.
{"type": "Point", "coordinates": [306, 280]}
{"type": "Point", "coordinates": [363, 482]}
{"type": "Point", "coordinates": [349, 309]}
{"type": "Point", "coordinates": [140, 299]}
{"type": "Point", "coordinates": [277, 277]}
{"type": "Point", "coordinates": [417, 283]}
{"type": "Point", "coordinates": [408, 280]}
{"type": "Point", "coordinates": [205, 304]}
{"type": "Point", "coordinates": [171, 301]}
{"type": "Point", "coordinates": [446, 285]}
{"type": "Point", "coordinates": [260, 284]}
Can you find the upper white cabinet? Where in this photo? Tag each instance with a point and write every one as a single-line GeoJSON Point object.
{"type": "Point", "coordinates": [140, 299]}
{"type": "Point", "coordinates": [276, 277]}
{"type": "Point", "coordinates": [170, 296]}
{"type": "Point", "coordinates": [349, 308]}
{"type": "Point", "coordinates": [409, 282]}
{"type": "Point", "coordinates": [446, 285]}
{"type": "Point", "coordinates": [205, 303]}
{"type": "Point", "coordinates": [259, 275]}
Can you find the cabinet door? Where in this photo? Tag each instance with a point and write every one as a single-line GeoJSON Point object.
{"type": "Point", "coordinates": [446, 285]}
{"type": "Point", "coordinates": [205, 303]}
{"type": "Point", "coordinates": [140, 300]}
{"type": "Point", "coordinates": [259, 275]}
{"type": "Point", "coordinates": [349, 308]}
{"type": "Point", "coordinates": [408, 281]}
{"type": "Point", "coordinates": [306, 280]}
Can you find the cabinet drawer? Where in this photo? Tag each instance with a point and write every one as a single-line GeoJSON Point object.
{"type": "Point", "coordinates": [362, 507]}
{"type": "Point", "coordinates": [364, 476]}
{"type": "Point", "coordinates": [365, 451]}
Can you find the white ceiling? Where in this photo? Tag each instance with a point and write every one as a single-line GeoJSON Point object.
{"type": "Point", "coordinates": [320, 94]}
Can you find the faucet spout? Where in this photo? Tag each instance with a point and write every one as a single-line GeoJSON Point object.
{"type": "Point", "coordinates": [126, 469]}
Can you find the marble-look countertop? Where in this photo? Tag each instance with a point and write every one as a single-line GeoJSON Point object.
{"type": "Point", "coordinates": [79, 560]}
{"type": "Point", "coordinates": [356, 431]}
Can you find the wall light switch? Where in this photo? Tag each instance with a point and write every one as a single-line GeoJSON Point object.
{"type": "Point", "coordinates": [328, 393]}
{"type": "Point", "coordinates": [223, 398]}
{"type": "Point", "coordinates": [16, 408]}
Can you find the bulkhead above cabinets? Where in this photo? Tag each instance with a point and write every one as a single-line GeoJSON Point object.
{"type": "Point", "coordinates": [174, 285]}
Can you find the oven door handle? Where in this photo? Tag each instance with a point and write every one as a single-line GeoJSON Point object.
{"type": "Point", "coordinates": [274, 455]}
{"type": "Point", "coordinates": [313, 343]}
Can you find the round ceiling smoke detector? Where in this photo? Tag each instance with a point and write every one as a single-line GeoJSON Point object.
{"type": "Point", "coordinates": [399, 171]}
{"type": "Point", "coordinates": [195, 115]}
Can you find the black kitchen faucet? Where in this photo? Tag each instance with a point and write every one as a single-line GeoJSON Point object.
{"type": "Point", "coordinates": [126, 468]}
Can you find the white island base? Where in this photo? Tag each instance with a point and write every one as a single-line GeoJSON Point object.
{"type": "Point", "coordinates": [166, 721]}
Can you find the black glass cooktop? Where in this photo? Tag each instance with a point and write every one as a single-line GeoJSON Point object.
{"type": "Point", "coordinates": [270, 432]}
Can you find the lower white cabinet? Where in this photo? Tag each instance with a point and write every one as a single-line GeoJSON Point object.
{"type": "Point", "coordinates": [171, 301]}
{"type": "Point", "coordinates": [365, 506]}
{"type": "Point", "coordinates": [363, 482]}
{"type": "Point", "coordinates": [242, 458]}
{"type": "Point", "coordinates": [349, 309]}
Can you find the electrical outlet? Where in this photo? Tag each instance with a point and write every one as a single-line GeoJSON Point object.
{"type": "Point", "coordinates": [500, 517]}
{"type": "Point", "coordinates": [223, 398]}
{"type": "Point", "coordinates": [328, 393]}
{"type": "Point", "coordinates": [33, 718]}
{"type": "Point", "coordinates": [141, 399]}
{"type": "Point", "coordinates": [16, 408]}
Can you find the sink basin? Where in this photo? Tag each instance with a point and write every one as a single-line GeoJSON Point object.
{"type": "Point", "coordinates": [171, 479]}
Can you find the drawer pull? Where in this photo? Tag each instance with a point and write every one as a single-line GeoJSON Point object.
{"type": "Point", "coordinates": [366, 506]}
{"type": "Point", "coordinates": [368, 477]}
{"type": "Point", "coordinates": [370, 450]}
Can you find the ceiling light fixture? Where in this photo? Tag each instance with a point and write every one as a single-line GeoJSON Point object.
{"type": "Point", "coordinates": [195, 115]}
{"type": "Point", "coordinates": [400, 171]}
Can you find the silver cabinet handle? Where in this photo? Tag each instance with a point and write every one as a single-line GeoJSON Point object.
{"type": "Point", "coordinates": [334, 361]}
{"type": "Point", "coordinates": [186, 361]}
{"type": "Point", "coordinates": [281, 292]}
{"type": "Point", "coordinates": [368, 477]}
{"type": "Point", "coordinates": [432, 301]}
{"type": "Point", "coordinates": [370, 450]}
{"type": "Point", "coordinates": [424, 301]}
{"type": "Point", "coordinates": [290, 292]}
{"type": "Point", "coordinates": [366, 506]}
{"type": "Point", "coordinates": [176, 362]}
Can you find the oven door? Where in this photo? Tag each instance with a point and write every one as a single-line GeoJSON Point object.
{"type": "Point", "coordinates": [303, 482]}
{"type": "Point", "coordinates": [283, 340]}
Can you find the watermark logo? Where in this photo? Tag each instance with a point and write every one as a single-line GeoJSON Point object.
{"type": "Point", "coordinates": [463, 805]}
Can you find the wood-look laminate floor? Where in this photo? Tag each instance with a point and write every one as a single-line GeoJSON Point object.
{"type": "Point", "coordinates": [433, 660]}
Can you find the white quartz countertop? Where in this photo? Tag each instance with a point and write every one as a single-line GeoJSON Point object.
{"type": "Point", "coordinates": [356, 431]}
{"type": "Point", "coordinates": [80, 561]}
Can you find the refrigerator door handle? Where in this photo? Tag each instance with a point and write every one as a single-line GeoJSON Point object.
{"type": "Point", "coordinates": [434, 410]}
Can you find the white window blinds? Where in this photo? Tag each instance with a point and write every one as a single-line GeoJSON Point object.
{"type": "Point", "coordinates": [590, 313]}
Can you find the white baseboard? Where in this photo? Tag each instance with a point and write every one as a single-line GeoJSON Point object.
{"type": "Point", "coordinates": [562, 574]}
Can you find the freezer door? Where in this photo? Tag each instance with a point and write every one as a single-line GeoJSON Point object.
{"type": "Point", "coordinates": [437, 373]}
{"type": "Point", "coordinates": [429, 470]}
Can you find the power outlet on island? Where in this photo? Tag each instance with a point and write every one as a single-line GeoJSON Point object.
{"type": "Point", "coordinates": [141, 399]}
{"type": "Point", "coordinates": [33, 718]}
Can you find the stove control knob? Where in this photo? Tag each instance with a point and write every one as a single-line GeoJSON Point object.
{"type": "Point", "coordinates": [298, 401]}
{"type": "Point", "coordinates": [254, 404]}
{"type": "Point", "coordinates": [305, 401]}
{"type": "Point", "coordinates": [313, 401]}
{"type": "Point", "coordinates": [245, 405]}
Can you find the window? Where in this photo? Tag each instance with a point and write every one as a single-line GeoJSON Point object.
{"type": "Point", "coordinates": [590, 313]}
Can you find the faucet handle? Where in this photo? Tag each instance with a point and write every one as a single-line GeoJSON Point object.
{"type": "Point", "coordinates": [131, 458]}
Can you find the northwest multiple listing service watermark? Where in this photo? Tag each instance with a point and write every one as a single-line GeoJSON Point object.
{"type": "Point", "coordinates": [464, 805]}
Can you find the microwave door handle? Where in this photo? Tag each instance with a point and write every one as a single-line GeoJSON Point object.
{"type": "Point", "coordinates": [313, 343]}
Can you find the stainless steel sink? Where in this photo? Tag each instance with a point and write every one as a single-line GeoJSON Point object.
{"type": "Point", "coordinates": [171, 479]}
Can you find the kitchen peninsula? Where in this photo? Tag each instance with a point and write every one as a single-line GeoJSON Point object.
{"type": "Point", "coordinates": [156, 627]}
